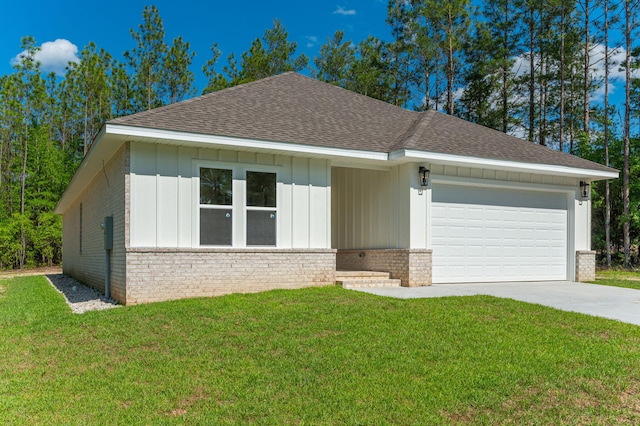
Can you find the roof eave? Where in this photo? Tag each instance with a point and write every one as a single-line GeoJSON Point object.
{"type": "Point", "coordinates": [113, 136]}
{"type": "Point", "coordinates": [235, 143]}
{"type": "Point", "coordinates": [505, 165]}
{"type": "Point", "coordinates": [99, 154]}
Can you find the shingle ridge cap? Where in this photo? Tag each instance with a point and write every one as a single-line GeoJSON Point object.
{"type": "Point", "coordinates": [355, 94]}
{"type": "Point", "coordinates": [415, 130]}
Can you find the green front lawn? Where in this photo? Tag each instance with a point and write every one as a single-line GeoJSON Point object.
{"type": "Point", "coordinates": [617, 278]}
{"type": "Point", "coordinates": [313, 356]}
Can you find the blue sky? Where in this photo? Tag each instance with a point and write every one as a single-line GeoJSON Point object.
{"type": "Point", "coordinates": [232, 24]}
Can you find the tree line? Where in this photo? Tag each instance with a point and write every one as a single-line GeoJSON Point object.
{"type": "Point", "coordinates": [540, 70]}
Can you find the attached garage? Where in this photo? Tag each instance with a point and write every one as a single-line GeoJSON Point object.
{"type": "Point", "coordinates": [482, 234]}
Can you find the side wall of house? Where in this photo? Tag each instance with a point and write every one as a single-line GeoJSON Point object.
{"type": "Point", "coordinates": [83, 255]}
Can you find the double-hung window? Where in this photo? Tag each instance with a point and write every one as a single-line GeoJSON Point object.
{"type": "Point", "coordinates": [244, 218]}
{"type": "Point", "coordinates": [216, 207]}
{"type": "Point", "coordinates": [261, 208]}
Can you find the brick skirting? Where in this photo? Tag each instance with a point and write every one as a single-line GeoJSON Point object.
{"type": "Point", "coordinates": [585, 266]}
{"type": "Point", "coordinates": [411, 266]}
{"type": "Point", "coordinates": [167, 274]}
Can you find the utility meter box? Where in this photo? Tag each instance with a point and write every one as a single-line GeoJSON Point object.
{"type": "Point", "coordinates": [107, 229]}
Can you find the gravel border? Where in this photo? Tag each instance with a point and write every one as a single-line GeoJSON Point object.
{"type": "Point", "coordinates": [79, 297]}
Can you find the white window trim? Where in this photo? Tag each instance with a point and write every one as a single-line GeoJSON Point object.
{"type": "Point", "coordinates": [238, 205]}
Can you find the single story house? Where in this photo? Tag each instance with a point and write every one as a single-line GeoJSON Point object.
{"type": "Point", "coordinates": [280, 182]}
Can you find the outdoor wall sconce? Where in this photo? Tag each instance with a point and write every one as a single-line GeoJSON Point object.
{"type": "Point", "coordinates": [424, 176]}
{"type": "Point", "coordinates": [585, 189]}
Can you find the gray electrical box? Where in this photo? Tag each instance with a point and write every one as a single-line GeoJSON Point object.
{"type": "Point", "coordinates": [107, 229]}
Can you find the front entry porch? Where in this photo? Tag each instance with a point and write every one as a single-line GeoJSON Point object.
{"type": "Point", "coordinates": [378, 223]}
{"type": "Point", "coordinates": [411, 266]}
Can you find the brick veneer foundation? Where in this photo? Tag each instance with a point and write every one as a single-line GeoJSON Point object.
{"type": "Point", "coordinates": [585, 266]}
{"type": "Point", "coordinates": [411, 266]}
{"type": "Point", "coordinates": [167, 274]}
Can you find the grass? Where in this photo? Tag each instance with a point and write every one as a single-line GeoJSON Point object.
{"type": "Point", "coordinates": [313, 356]}
{"type": "Point", "coordinates": [618, 278]}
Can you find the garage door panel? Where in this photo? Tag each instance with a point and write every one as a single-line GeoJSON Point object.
{"type": "Point", "coordinates": [515, 235]}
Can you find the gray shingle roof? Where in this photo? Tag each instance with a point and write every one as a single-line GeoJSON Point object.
{"type": "Point", "coordinates": [293, 108]}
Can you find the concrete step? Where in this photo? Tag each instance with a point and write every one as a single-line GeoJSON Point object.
{"type": "Point", "coordinates": [356, 279]}
{"type": "Point", "coordinates": [361, 275]}
{"type": "Point", "coordinates": [360, 283]}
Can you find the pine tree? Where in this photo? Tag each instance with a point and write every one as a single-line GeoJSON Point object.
{"type": "Point", "coordinates": [87, 81]}
{"type": "Point", "coordinates": [607, 194]}
{"type": "Point", "coordinates": [215, 80]}
{"type": "Point", "coordinates": [629, 18]}
{"type": "Point", "coordinates": [146, 60]}
{"type": "Point", "coordinates": [271, 55]}
{"type": "Point", "coordinates": [399, 51]}
{"type": "Point", "coordinates": [453, 17]}
{"type": "Point", "coordinates": [335, 60]}
{"type": "Point", "coordinates": [177, 79]}
{"type": "Point", "coordinates": [504, 16]}
{"type": "Point", "coordinates": [122, 90]}
{"type": "Point", "coordinates": [425, 56]}
{"type": "Point", "coordinates": [369, 75]}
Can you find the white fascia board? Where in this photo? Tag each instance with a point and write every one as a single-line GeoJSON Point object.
{"type": "Point", "coordinates": [514, 166]}
{"type": "Point", "coordinates": [171, 136]}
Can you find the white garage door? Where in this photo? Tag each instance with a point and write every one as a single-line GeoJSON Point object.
{"type": "Point", "coordinates": [492, 235]}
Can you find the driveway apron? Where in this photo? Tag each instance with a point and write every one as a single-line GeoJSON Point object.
{"type": "Point", "coordinates": [622, 304]}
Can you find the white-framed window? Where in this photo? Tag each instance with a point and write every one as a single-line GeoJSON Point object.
{"type": "Point", "coordinates": [261, 208]}
{"type": "Point", "coordinates": [216, 207]}
{"type": "Point", "coordinates": [237, 206]}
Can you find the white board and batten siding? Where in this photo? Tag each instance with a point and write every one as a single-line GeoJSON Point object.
{"type": "Point", "coordinates": [368, 208]}
{"type": "Point", "coordinates": [164, 195]}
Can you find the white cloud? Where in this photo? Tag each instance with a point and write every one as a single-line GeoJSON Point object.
{"type": "Point", "coordinates": [596, 60]}
{"type": "Point", "coordinates": [53, 55]}
{"type": "Point", "coordinates": [342, 11]}
{"type": "Point", "coordinates": [311, 41]}
{"type": "Point", "coordinates": [616, 72]}
{"type": "Point", "coordinates": [458, 93]}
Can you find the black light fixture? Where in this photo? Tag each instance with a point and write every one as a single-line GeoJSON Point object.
{"type": "Point", "coordinates": [424, 176]}
{"type": "Point", "coordinates": [585, 189]}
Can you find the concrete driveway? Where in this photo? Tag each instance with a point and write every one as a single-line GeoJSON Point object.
{"type": "Point", "coordinates": [622, 304]}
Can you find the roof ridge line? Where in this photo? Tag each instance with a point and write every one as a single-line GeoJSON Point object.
{"type": "Point", "coordinates": [199, 97]}
{"type": "Point", "coordinates": [352, 92]}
